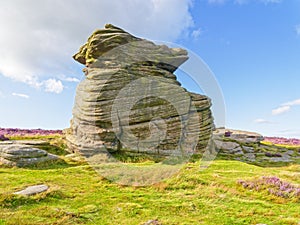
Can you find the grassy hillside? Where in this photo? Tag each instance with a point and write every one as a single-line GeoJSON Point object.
{"type": "Point", "coordinates": [228, 192]}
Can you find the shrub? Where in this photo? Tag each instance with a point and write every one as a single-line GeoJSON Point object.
{"type": "Point", "coordinates": [274, 186]}
{"type": "Point", "coordinates": [3, 138]}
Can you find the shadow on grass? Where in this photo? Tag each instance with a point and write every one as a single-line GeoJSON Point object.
{"type": "Point", "coordinates": [61, 163]}
{"type": "Point", "coordinates": [260, 163]}
{"type": "Point", "coordinates": [53, 149]}
{"type": "Point", "coordinates": [126, 157]}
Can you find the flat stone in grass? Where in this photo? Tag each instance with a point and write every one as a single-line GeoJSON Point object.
{"type": "Point", "coordinates": [33, 190]}
{"type": "Point", "coordinates": [152, 222]}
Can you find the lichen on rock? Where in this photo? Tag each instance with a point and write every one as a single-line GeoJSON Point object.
{"type": "Point", "coordinates": [131, 101]}
{"type": "Point", "coordinates": [248, 147]}
{"type": "Point", "coordinates": [102, 41]}
{"type": "Point", "coordinates": [24, 153]}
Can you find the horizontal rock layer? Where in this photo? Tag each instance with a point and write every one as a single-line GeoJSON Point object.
{"type": "Point", "coordinates": [24, 153]}
{"type": "Point", "coordinates": [247, 147]}
{"type": "Point", "coordinates": [131, 100]}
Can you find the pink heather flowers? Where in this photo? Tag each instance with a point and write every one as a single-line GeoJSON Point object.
{"type": "Point", "coordinates": [3, 138]}
{"type": "Point", "coordinates": [9, 132]}
{"type": "Point", "coordinates": [274, 186]}
{"type": "Point", "coordinates": [283, 141]}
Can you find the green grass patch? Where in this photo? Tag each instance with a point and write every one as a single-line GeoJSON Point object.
{"type": "Point", "coordinates": [35, 137]}
{"type": "Point", "coordinates": [292, 147]}
{"type": "Point", "coordinates": [79, 195]}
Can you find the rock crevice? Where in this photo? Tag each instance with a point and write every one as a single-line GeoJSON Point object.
{"type": "Point", "coordinates": [130, 100]}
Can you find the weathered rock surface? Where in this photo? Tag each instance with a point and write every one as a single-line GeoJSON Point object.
{"type": "Point", "coordinates": [240, 136]}
{"type": "Point", "coordinates": [153, 222]}
{"type": "Point", "coordinates": [247, 147]}
{"type": "Point", "coordinates": [23, 153]}
{"type": "Point", "coordinates": [131, 100]}
{"type": "Point", "coordinates": [33, 190]}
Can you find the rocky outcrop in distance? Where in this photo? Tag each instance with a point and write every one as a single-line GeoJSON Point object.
{"type": "Point", "coordinates": [249, 147]}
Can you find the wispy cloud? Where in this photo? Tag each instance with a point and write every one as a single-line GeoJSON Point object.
{"type": "Point", "coordinates": [196, 33]}
{"type": "Point", "coordinates": [285, 107]}
{"type": "Point", "coordinates": [54, 86]}
{"type": "Point", "coordinates": [271, 1]}
{"type": "Point", "coordinates": [262, 121]}
{"type": "Point", "coordinates": [293, 103]}
{"type": "Point", "coordinates": [243, 2]}
{"type": "Point", "coordinates": [71, 79]}
{"type": "Point", "coordinates": [1, 94]}
{"type": "Point", "coordinates": [219, 2]}
{"type": "Point", "coordinates": [20, 95]}
{"type": "Point", "coordinates": [297, 29]}
{"type": "Point", "coordinates": [281, 110]}
{"type": "Point", "coordinates": [50, 36]}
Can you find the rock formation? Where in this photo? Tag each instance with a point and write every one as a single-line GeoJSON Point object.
{"type": "Point", "coordinates": [131, 101]}
{"type": "Point", "coordinates": [24, 153]}
{"type": "Point", "coordinates": [248, 147]}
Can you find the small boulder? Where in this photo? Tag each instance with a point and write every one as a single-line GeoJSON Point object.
{"type": "Point", "coordinates": [152, 222]}
{"type": "Point", "coordinates": [33, 190]}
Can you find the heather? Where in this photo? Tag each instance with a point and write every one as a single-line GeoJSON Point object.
{"type": "Point", "coordinates": [17, 133]}
{"type": "Point", "coordinates": [282, 141]}
{"type": "Point", "coordinates": [3, 138]}
{"type": "Point", "coordinates": [78, 195]}
{"type": "Point", "coordinates": [274, 186]}
{"type": "Point", "coordinates": [227, 192]}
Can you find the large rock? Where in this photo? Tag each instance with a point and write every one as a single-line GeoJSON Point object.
{"type": "Point", "coordinates": [131, 100]}
{"type": "Point", "coordinates": [247, 147]}
{"type": "Point", "coordinates": [239, 135]}
{"type": "Point", "coordinates": [23, 153]}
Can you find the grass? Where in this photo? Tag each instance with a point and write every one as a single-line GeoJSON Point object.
{"type": "Point", "coordinates": [34, 137]}
{"type": "Point", "coordinates": [54, 144]}
{"type": "Point", "coordinates": [79, 195]}
{"type": "Point", "coordinates": [292, 147]}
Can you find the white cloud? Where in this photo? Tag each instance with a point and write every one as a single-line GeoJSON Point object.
{"type": "Point", "coordinates": [297, 28]}
{"type": "Point", "coordinates": [241, 2]}
{"type": "Point", "coordinates": [281, 110]}
{"type": "Point", "coordinates": [40, 37]}
{"type": "Point", "coordinates": [53, 85]}
{"type": "Point", "coordinates": [20, 95]}
{"type": "Point", "coordinates": [262, 121]}
{"type": "Point", "coordinates": [292, 103]}
{"type": "Point", "coordinates": [196, 33]}
{"type": "Point", "coordinates": [285, 107]}
{"type": "Point", "coordinates": [71, 79]}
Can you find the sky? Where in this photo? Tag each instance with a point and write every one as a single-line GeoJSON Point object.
{"type": "Point", "coordinates": [252, 48]}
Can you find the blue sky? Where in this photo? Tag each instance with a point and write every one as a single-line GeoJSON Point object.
{"type": "Point", "coordinates": [252, 47]}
